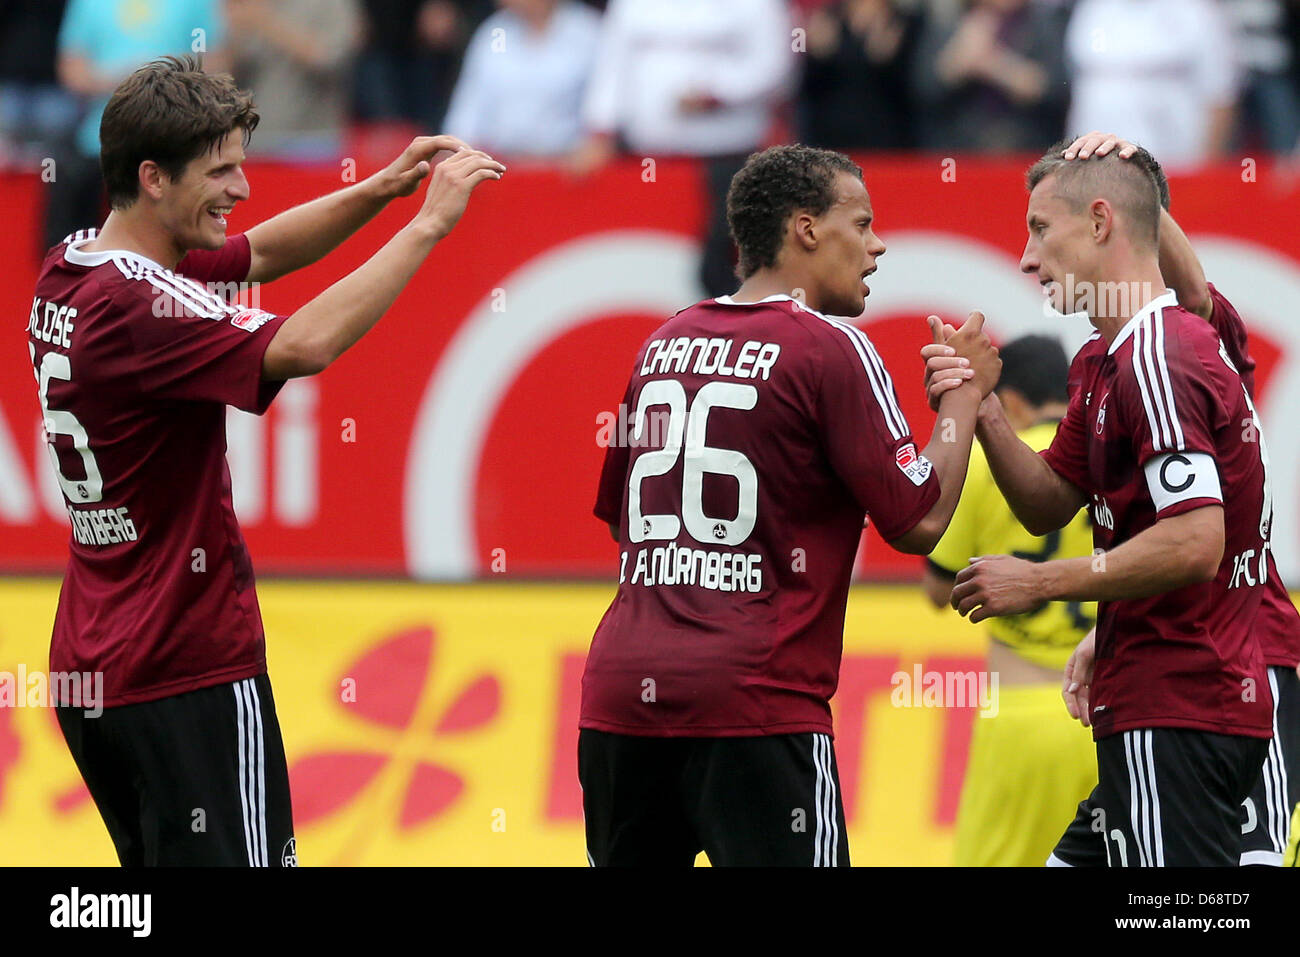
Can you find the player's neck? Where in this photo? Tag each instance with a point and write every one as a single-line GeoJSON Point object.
{"type": "Point", "coordinates": [132, 233]}
{"type": "Point", "coordinates": [1119, 299]}
{"type": "Point", "coordinates": [768, 282]}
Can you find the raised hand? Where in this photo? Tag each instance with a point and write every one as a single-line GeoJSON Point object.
{"type": "Point", "coordinates": [944, 369]}
{"type": "Point", "coordinates": [971, 342]}
{"type": "Point", "coordinates": [451, 184]}
{"type": "Point", "coordinates": [403, 175]}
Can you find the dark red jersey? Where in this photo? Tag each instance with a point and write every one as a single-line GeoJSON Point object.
{"type": "Point", "coordinates": [1278, 624]}
{"type": "Point", "coordinates": [1160, 424]}
{"type": "Point", "coordinates": [135, 365]}
{"type": "Point", "coordinates": [760, 436]}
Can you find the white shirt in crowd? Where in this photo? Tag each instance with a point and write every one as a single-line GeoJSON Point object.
{"type": "Point", "coordinates": [1151, 71]}
{"type": "Point", "coordinates": [655, 52]}
{"type": "Point", "coordinates": [1260, 34]}
{"type": "Point", "coordinates": [520, 92]}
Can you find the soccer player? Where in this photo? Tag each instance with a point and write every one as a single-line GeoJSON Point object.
{"type": "Point", "coordinates": [1029, 762]}
{"type": "Point", "coordinates": [136, 360]}
{"type": "Point", "coordinates": [1272, 802]}
{"type": "Point", "coordinates": [1153, 440]}
{"type": "Point", "coordinates": [765, 431]}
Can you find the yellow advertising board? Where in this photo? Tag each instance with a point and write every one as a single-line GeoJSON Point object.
{"type": "Point", "coordinates": [436, 724]}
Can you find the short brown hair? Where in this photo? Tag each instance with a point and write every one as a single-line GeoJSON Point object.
{"type": "Point", "coordinates": [1132, 185]}
{"type": "Point", "coordinates": [171, 112]}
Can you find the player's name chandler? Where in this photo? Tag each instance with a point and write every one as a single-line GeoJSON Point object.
{"type": "Point", "coordinates": [674, 564]}
{"type": "Point", "coordinates": [1163, 900]}
{"type": "Point", "coordinates": [702, 356]}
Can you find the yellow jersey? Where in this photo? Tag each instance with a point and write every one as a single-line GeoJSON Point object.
{"type": "Point", "coordinates": [984, 525]}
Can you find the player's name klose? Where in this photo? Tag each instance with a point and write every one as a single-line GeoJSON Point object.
{"type": "Point", "coordinates": [52, 323]}
{"type": "Point", "coordinates": [101, 526]}
{"type": "Point", "coordinates": [710, 357]}
{"type": "Point", "coordinates": [674, 564]}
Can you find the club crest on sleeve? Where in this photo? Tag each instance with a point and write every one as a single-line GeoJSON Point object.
{"type": "Point", "coordinates": [915, 466]}
{"type": "Point", "coordinates": [250, 320]}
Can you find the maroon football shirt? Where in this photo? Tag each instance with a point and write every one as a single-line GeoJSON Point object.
{"type": "Point", "coordinates": [761, 436]}
{"type": "Point", "coordinates": [1278, 624]}
{"type": "Point", "coordinates": [1155, 429]}
{"type": "Point", "coordinates": [135, 365]}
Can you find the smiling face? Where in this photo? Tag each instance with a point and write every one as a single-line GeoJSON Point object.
{"type": "Point", "coordinates": [1061, 248]}
{"type": "Point", "coordinates": [193, 208]}
{"type": "Point", "coordinates": [847, 250]}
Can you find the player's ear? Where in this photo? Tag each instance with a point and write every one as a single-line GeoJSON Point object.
{"type": "Point", "coordinates": [152, 179]}
{"type": "Point", "coordinates": [1103, 219]}
{"type": "Point", "coordinates": [804, 227]}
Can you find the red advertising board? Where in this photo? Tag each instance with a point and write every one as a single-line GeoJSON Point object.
{"type": "Point", "coordinates": [460, 438]}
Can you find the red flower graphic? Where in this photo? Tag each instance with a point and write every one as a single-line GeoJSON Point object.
{"type": "Point", "coordinates": [390, 680]}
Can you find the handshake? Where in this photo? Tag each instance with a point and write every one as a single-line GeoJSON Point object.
{"type": "Point", "coordinates": [957, 357]}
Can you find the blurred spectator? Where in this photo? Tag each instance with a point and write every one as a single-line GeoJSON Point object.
{"type": "Point", "coordinates": [855, 92]}
{"type": "Point", "coordinates": [35, 112]}
{"type": "Point", "coordinates": [295, 57]}
{"type": "Point", "coordinates": [989, 77]}
{"type": "Point", "coordinates": [697, 78]}
{"type": "Point", "coordinates": [410, 57]}
{"type": "Point", "coordinates": [1158, 72]}
{"type": "Point", "coordinates": [1268, 108]}
{"type": "Point", "coordinates": [100, 43]}
{"type": "Point", "coordinates": [520, 90]}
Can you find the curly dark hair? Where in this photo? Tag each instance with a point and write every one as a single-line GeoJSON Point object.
{"type": "Point", "coordinates": [171, 112]}
{"type": "Point", "coordinates": [769, 188]}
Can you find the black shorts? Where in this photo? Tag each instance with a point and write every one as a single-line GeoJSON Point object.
{"type": "Point", "coordinates": [1165, 797]}
{"type": "Point", "coordinates": [195, 779]}
{"type": "Point", "coordinates": [772, 800]}
{"type": "Point", "coordinates": [1266, 814]}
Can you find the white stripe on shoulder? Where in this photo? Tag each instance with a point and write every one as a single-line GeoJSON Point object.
{"type": "Point", "coordinates": [162, 284]}
{"type": "Point", "coordinates": [195, 299]}
{"type": "Point", "coordinates": [1155, 415]}
{"type": "Point", "coordinates": [1166, 381]}
{"type": "Point", "coordinates": [203, 291]}
{"type": "Point", "coordinates": [882, 388]}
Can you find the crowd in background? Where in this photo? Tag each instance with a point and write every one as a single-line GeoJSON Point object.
{"type": "Point", "coordinates": [576, 82]}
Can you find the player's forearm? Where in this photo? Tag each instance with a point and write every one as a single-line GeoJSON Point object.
{"type": "Point", "coordinates": [300, 236]}
{"type": "Point", "coordinates": [1041, 500]}
{"type": "Point", "coordinates": [1181, 269]}
{"type": "Point", "coordinates": [330, 324]}
{"type": "Point", "coordinates": [1173, 553]}
{"type": "Point", "coordinates": [949, 454]}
